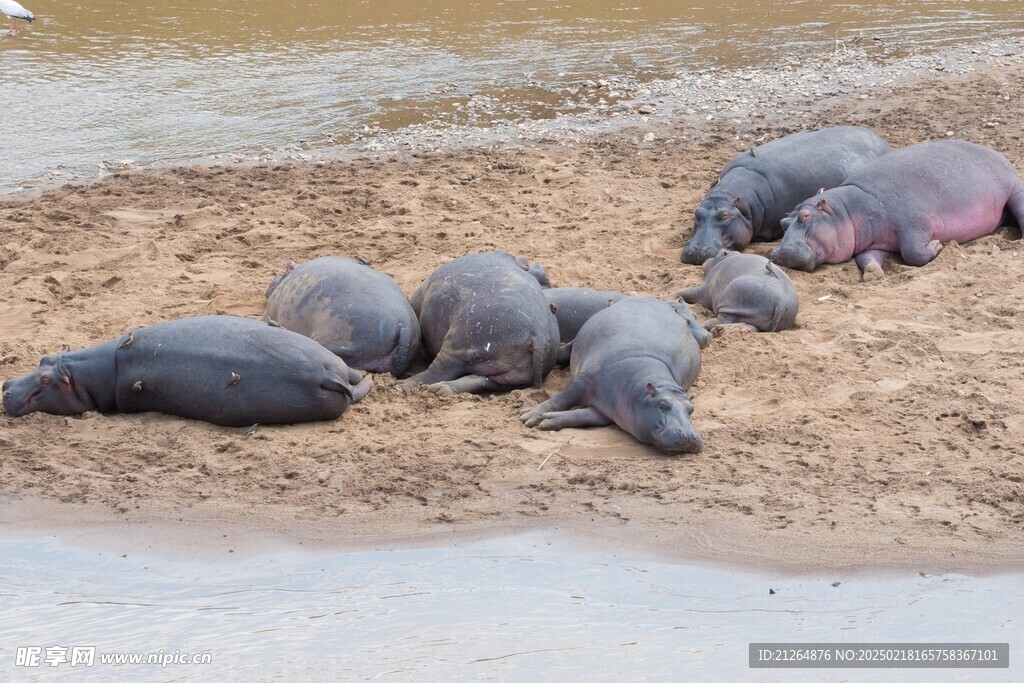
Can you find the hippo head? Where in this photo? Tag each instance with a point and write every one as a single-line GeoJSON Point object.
{"type": "Point", "coordinates": [720, 222]}
{"type": "Point", "coordinates": [50, 389]}
{"type": "Point", "coordinates": [289, 266]}
{"type": "Point", "coordinates": [536, 270]}
{"type": "Point", "coordinates": [817, 231]}
{"type": "Point", "coordinates": [663, 420]}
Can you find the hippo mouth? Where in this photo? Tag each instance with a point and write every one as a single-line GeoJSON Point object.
{"type": "Point", "coordinates": [679, 441]}
{"type": "Point", "coordinates": [696, 255]}
{"type": "Point", "coordinates": [795, 258]}
{"type": "Point", "coordinates": [15, 408]}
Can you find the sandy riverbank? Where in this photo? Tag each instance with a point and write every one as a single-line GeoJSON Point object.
{"type": "Point", "coordinates": [883, 431]}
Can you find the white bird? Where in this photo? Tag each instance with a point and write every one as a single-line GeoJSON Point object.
{"type": "Point", "coordinates": [14, 10]}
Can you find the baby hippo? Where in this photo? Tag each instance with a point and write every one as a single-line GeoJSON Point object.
{"type": "Point", "coordinates": [219, 368]}
{"type": "Point", "coordinates": [745, 290]}
{"type": "Point", "coordinates": [486, 324]}
{"type": "Point", "coordinates": [356, 312]}
{"type": "Point", "coordinates": [631, 365]}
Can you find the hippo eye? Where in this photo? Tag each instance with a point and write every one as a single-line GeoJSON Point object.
{"type": "Point", "coordinates": [724, 215]}
{"type": "Point", "coordinates": [804, 216]}
{"type": "Point", "coordinates": [45, 381]}
{"type": "Point", "coordinates": [664, 407]}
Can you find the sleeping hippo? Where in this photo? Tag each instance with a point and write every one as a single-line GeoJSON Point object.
{"type": "Point", "coordinates": [486, 324]}
{"type": "Point", "coordinates": [758, 187]}
{"type": "Point", "coordinates": [907, 202]}
{"type": "Point", "coordinates": [745, 290]}
{"type": "Point", "coordinates": [358, 313]}
{"type": "Point", "coordinates": [631, 365]}
{"type": "Point", "coordinates": [222, 369]}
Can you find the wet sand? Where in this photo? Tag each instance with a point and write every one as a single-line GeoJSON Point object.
{"type": "Point", "coordinates": [883, 431]}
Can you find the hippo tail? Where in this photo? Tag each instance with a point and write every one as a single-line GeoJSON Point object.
{"type": "Point", "coordinates": [776, 317]}
{"type": "Point", "coordinates": [403, 350]}
{"type": "Point", "coordinates": [538, 353]}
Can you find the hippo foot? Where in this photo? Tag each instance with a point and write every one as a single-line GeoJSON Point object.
{"type": "Point", "coordinates": [935, 246]}
{"type": "Point", "coordinates": [441, 389]}
{"type": "Point", "coordinates": [719, 327]}
{"type": "Point", "coordinates": [873, 271]}
{"type": "Point", "coordinates": [533, 416]}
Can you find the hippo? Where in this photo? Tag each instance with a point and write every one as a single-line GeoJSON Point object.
{"type": "Point", "coordinates": [907, 202]}
{"type": "Point", "coordinates": [758, 187]}
{"type": "Point", "coordinates": [358, 313]}
{"type": "Point", "coordinates": [631, 365]}
{"type": "Point", "coordinates": [486, 324]}
{"type": "Point", "coordinates": [745, 290]}
{"type": "Point", "coordinates": [226, 370]}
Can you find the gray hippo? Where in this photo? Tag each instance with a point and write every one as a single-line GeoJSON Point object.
{"type": "Point", "coordinates": [745, 290]}
{"type": "Point", "coordinates": [631, 365]}
{"type": "Point", "coordinates": [907, 202]}
{"type": "Point", "coordinates": [358, 313]}
{"type": "Point", "coordinates": [222, 369]}
{"type": "Point", "coordinates": [486, 324]}
{"type": "Point", "coordinates": [758, 187]}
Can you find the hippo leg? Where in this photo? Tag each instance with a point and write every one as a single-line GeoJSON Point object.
{"type": "Point", "coordinates": [870, 264]}
{"type": "Point", "coordinates": [469, 384]}
{"type": "Point", "coordinates": [442, 369]}
{"type": "Point", "coordinates": [562, 401]}
{"type": "Point", "coordinates": [1016, 206]}
{"type": "Point", "coordinates": [580, 417]}
{"type": "Point", "coordinates": [915, 247]}
{"type": "Point", "coordinates": [691, 295]}
{"type": "Point", "coordinates": [728, 318]}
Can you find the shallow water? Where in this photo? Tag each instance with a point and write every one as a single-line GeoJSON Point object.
{"type": "Point", "coordinates": [176, 81]}
{"type": "Point", "coordinates": [507, 608]}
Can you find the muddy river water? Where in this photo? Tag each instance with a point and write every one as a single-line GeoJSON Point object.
{"type": "Point", "coordinates": [174, 81]}
{"type": "Point", "coordinates": [512, 608]}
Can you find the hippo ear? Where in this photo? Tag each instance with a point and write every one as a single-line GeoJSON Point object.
{"type": "Point", "coordinates": [820, 190]}
{"type": "Point", "coordinates": [65, 348]}
{"type": "Point", "coordinates": [650, 389]}
{"type": "Point", "coordinates": [554, 308]}
{"type": "Point", "coordinates": [823, 206]}
{"type": "Point", "coordinates": [290, 265]}
{"type": "Point", "coordinates": [742, 206]}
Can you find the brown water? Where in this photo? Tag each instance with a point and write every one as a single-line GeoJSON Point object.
{"type": "Point", "coordinates": [176, 81]}
{"type": "Point", "coordinates": [528, 607]}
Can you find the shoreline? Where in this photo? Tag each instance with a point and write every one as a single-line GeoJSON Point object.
{"type": "Point", "coordinates": [216, 535]}
{"type": "Point", "coordinates": [619, 105]}
{"type": "Point", "coordinates": [883, 430]}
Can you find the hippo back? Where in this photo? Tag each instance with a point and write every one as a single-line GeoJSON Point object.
{"type": "Point", "coordinates": [640, 328]}
{"type": "Point", "coordinates": [357, 312]}
{"type": "Point", "coordinates": [229, 371]}
{"type": "Point", "coordinates": [574, 306]}
{"type": "Point", "coordinates": [797, 166]}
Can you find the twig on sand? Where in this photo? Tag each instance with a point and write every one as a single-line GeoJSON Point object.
{"type": "Point", "coordinates": [553, 452]}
